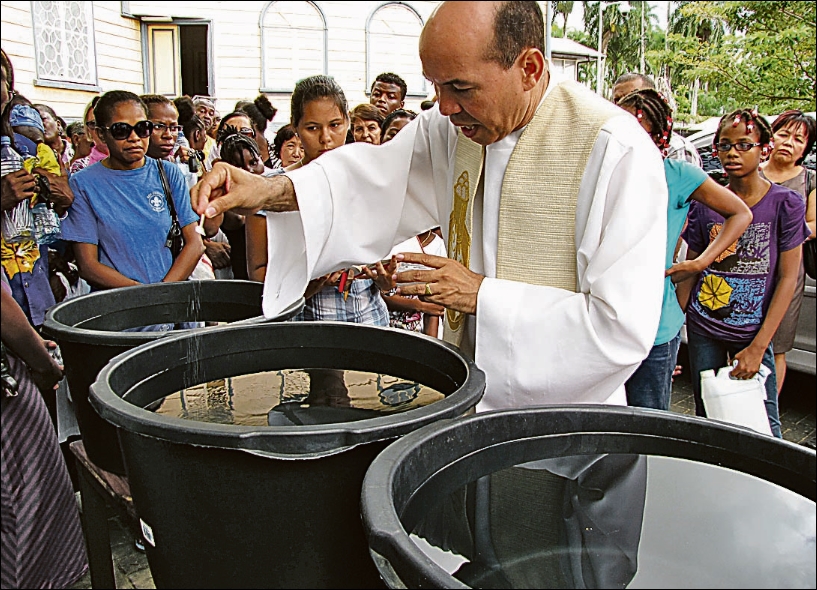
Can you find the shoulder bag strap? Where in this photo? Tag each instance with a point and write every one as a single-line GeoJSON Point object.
{"type": "Point", "coordinates": [166, 187]}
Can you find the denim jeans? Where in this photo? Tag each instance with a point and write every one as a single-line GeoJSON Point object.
{"type": "Point", "coordinates": [651, 384]}
{"type": "Point", "coordinates": [707, 353]}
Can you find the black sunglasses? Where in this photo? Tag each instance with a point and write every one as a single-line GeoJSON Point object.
{"type": "Point", "coordinates": [122, 131]}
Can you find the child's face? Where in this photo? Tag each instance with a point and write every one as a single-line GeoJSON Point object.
{"type": "Point", "coordinates": [394, 128]}
{"type": "Point", "coordinates": [736, 163]}
{"type": "Point", "coordinates": [251, 163]}
{"type": "Point", "coordinates": [322, 128]}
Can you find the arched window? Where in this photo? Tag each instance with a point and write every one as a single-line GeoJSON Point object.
{"type": "Point", "coordinates": [64, 42]}
{"type": "Point", "coordinates": [392, 39]}
{"type": "Point", "coordinates": [293, 44]}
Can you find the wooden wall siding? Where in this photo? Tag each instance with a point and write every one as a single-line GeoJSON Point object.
{"type": "Point", "coordinates": [118, 55]}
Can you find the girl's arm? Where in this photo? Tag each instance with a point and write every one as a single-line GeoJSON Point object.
{"type": "Point", "coordinates": [255, 228]}
{"type": "Point", "coordinates": [683, 290]}
{"type": "Point", "coordinates": [400, 303]}
{"type": "Point", "coordinates": [737, 218]}
{"type": "Point", "coordinates": [750, 357]}
{"type": "Point", "coordinates": [188, 258]}
{"type": "Point", "coordinates": [96, 273]}
{"type": "Point", "coordinates": [431, 325]}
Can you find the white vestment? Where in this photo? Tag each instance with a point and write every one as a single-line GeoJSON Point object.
{"type": "Point", "coordinates": [537, 345]}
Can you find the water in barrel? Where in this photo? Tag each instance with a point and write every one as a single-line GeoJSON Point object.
{"type": "Point", "coordinates": [296, 397]}
{"type": "Point", "coordinates": [617, 521]}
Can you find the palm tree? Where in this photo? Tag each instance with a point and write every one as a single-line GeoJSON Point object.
{"type": "Point", "coordinates": [706, 30]}
{"type": "Point", "coordinates": [563, 8]}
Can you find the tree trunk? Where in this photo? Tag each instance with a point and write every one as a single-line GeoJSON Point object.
{"type": "Point", "coordinates": [696, 87]}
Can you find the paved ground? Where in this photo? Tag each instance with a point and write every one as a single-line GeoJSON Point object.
{"type": "Point", "coordinates": [797, 415]}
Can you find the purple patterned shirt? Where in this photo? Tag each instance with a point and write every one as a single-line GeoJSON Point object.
{"type": "Point", "coordinates": [733, 294]}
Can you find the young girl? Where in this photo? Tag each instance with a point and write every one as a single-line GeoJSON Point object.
{"type": "Point", "coordinates": [242, 152]}
{"type": "Point", "coordinates": [651, 385]}
{"type": "Point", "coordinates": [794, 134]}
{"type": "Point", "coordinates": [738, 302]}
{"type": "Point", "coordinates": [320, 117]}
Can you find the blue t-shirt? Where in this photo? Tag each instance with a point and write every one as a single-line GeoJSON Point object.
{"type": "Point", "coordinates": [683, 179]}
{"type": "Point", "coordinates": [125, 214]}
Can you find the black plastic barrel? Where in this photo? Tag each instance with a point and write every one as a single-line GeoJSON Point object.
{"type": "Point", "coordinates": [89, 332]}
{"type": "Point", "coordinates": [591, 497]}
{"type": "Point", "coordinates": [229, 506]}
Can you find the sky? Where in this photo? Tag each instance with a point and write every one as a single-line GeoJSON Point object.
{"type": "Point", "coordinates": [576, 19]}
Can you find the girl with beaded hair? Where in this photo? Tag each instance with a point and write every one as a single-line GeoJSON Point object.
{"type": "Point", "coordinates": [739, 300]}
{"type": "Point", "coordinates": [651, 385]}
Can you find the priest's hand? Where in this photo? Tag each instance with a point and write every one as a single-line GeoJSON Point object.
{"type": "Point", "coordinates": [447, 283]}
{"type": "Point", "coordinates": [227, 188]}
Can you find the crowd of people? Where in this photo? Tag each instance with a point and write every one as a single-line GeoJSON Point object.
{"type": "Point", "coordinates": [561, 239]}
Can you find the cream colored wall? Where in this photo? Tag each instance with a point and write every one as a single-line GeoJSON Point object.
{"type": "Point", "coordinates": [236, 49]}
{"type": "Point", "coordinates": [118, 56]}
{"type": "Point", "coordinates": [237, 46]}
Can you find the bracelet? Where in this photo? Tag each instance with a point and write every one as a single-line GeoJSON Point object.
{"type": "Point", "coordinates": [390, 293]}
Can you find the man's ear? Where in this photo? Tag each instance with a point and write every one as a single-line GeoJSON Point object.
{"type": "Point", "coordinates": [533, 66]}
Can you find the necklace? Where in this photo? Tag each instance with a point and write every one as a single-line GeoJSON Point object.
{"type": "Point", "coordinates": [426, 239]}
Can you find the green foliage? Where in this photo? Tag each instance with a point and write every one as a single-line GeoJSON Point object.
{"type": "Point", "coordinates": [621, 37]}
{"type": "Point", "coordinates": [563, 10]}
{"type": "Point", "coordinates": [747, 53]}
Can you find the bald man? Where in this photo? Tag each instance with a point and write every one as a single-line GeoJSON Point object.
{"type": "Point", "coordinates": [556, 271]}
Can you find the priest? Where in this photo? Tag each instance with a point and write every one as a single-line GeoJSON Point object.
{"type": "Point", "coordinates": [552, 202]}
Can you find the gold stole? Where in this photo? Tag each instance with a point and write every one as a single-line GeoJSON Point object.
{"type": "Point", "coordinates": [537, 212]}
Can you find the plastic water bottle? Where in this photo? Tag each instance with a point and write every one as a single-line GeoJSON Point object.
{"type": "Point", "coordinates": [17, 222]}
{"type": "Point", "coordinates": [46, 223]}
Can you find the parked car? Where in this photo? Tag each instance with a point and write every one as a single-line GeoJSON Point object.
{"type": "Point", "coordinates": [803, 357]}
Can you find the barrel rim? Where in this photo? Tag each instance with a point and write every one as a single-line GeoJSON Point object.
{"type": "Point", "coordinates": [314, 440]}
{"type": "Point", "coordinates": [60, 331]}
{"type": "Point", "coordinates": [398, 557]}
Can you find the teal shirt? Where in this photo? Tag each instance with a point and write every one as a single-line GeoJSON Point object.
{"type": "Point", "coordinates": [683, 179]}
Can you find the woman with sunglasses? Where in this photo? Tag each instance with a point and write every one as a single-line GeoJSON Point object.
{"type": "Point", "coordinates": [120, 218]}
{"type": "Point", "coordinates": [738, 301]}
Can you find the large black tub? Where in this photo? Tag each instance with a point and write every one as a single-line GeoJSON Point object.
{"type": "Point", "coordinates": [591, 497]}
{"type": "Point", "coordinates": [235, 506]}
{"type": "Point", "coordinates": [89, 331]}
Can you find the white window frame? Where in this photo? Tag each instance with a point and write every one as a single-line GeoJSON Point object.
{"type": "Point", "coordinates": [370, 76]}
{"type": "Point", "coordinates": [265, 87]}
{"type": "Point", "coordinates": [63, 80]}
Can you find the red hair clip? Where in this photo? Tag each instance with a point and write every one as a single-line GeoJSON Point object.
{"type": "Point", "coordinates": [750, 126]}
{"type": "Point", "coordinates": [639, 114]}
{"type": "Point", "coordinates": [738, 119]}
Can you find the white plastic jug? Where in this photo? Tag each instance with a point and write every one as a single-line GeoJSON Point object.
{"type": "Point", "coordinates": [739, 401]}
